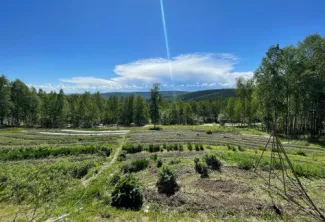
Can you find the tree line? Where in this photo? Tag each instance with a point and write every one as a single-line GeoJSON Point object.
{"type": "Point", "coordinates": [23, 105]}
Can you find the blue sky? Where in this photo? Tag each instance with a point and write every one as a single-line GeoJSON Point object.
{"type": "Point", "coordinates": [119, 45]}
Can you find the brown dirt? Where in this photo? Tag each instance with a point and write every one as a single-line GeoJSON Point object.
{"type": "Point", "coordinates": [205, 202]}
{"type": "Point", "coordinates": [225, 186]}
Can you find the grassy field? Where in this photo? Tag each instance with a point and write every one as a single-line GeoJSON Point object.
{"type": "Point", "coordinates": [69, 177]}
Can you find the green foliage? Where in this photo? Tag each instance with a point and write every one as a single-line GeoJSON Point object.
{"type": "Point", "coordinates": [135, 166]}
{"type": "Point", "coordinates": [43, 152]}
{"type": "Point", "coordinates": [301, 153]}
{"type": "Point", "coordinates": [208, 132]}
{"type": "Point", "coordinates": [167, 181]}
{"type": "Point", "coordinates": [154, 157]}
{"type": "Point", "coordinates": [201, 147]}
{"type": "Point", "coordinates": [246, 164]}
{"type": "Point", "coordinates": [114, 179]}
{"type": "Point", "coordinates": [241, 149]}
{"type": "Point", "coordinates": [309, 170]}
{"type": "Point", "coordinates": [121, 157]}
{"type": "Point", "coordinates": [154, 103]}
{"type": "Point", "coordinates": [153, 148]}
{"type": "Point", "coordinates": [130, 148]}
{"type": "Point", "coordinates": [174, 161]}
{"type": "Point", "coordinates": [127, 193]}
{"type": "Point", "coordinates": [201, 168]}
{"type": "Point", "coordinates": [159, 162]}
{"type": "Point", "coordinates": [197, 147]}
{"type": "Point", "coordinates": [212, 162]}
{"type": "Point", "coordinates": [190, 146]}
{"type": "Point", "coordinates": [81, 171]}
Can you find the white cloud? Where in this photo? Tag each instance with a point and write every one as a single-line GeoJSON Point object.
{"type": "Point", "coordinates": [188, 71]}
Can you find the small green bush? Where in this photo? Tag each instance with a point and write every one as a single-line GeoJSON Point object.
{"type": "Point", "coordinates": [201, 147]}
{"type": "Point", "coordinates": [229, 147]}
{"type": "Point", "coordinates": [201, 168]}
{"type": "Point", "coordinates": [135, 166]}
{"type": "Point", "coordinates": [208, 132]}
{"type": "Point", "coordinates": [159, 162]}
{"type": "Point", "coordinates": [81, 171]}
{"type": "Point", "coordinates": [165, 146]}
{"type": "Point", "coordinates": [301, 153]}
{"type": "Point", "coordinates": [155, 128]}
{"type": "Point", "coordinates": [197, 147]}
{"type": "Point", "coordinates": [181, 148]}
{"type": "Point", "coordinates": [167, 181]}
{"type": "Point", "coordinates": [241, 149]}
{"type": "Point", "coordinates": [122, 156]}
{"type": "Point", "coordinates": [189, 146]}
{"type": "Point", "coordinates": [234, 149]}
{"type": "Point", "coordinates": [175, 147]}
{"type": "Point", "coordinates": [150, 149]}
{"type": "Point", "coordinates": [174, 161]}
{"type": "Point", "coordinates": [114, 179]}
{"type": "Point", "coordinates": [212, 162]}
{"type": "Point", "coordinates": [154, 157]}
{"type": "Point", "coordinates": [127, 193]}
{"type": "Point", "coordinates": [246, 164]}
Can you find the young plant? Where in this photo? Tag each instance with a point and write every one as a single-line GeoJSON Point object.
{"type": "Point", "coordinates": [159, 162]}
{"type": "Point", "coordinates": [190, 146]}
{"type": "Point", "coordinates": [212, 162]}
{"type": "Point", "coordinates": [201, 168]}
{"type": "Point", "coordinates": [127, 193]}
{"type": "Point", "coordinates": [167, 181]}
{"type": "Point", "coordinates": [135, 166]}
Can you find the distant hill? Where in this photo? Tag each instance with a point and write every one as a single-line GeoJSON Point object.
{"type": "Point", "coordinates": [182, 95]}
{"type": "Point", "coordinates": [146, 95]}
{"type": "Point", "coordinates": [207, 94]}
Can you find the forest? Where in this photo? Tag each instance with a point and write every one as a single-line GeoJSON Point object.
{"type": "Point", "coordinates": [288, 88]}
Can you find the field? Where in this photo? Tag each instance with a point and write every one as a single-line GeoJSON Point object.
{"type": "Point", "coordinates": [53, 175]}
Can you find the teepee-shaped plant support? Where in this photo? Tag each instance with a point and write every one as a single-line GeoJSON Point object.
{"type": "Point", "coordinates": [292, 186]}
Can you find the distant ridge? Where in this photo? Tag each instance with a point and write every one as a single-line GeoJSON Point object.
{"type": "Point", "coordinates": [146, 95]}
{"type": "Point", "coordinates": [181, 95]}
{"type": "Point", "coordinates": [207, 94]}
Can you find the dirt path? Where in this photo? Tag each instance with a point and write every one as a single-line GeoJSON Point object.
{"type": "Point", "coordinates": [85, 182]}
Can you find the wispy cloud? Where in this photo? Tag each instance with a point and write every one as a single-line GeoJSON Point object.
{"type": "Point", "coordinates": [189, 71]}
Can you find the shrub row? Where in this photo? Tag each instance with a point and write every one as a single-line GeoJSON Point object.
{"type": "Point", "coordinates": [130, 148]}
{"type": "Point", "coordinates": [37, 153]}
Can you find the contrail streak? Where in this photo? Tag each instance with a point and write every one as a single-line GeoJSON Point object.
{"type": "Point", "coordinates": [166, 39]}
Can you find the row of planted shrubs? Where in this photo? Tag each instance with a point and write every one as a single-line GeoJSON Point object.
{"type": "Point", "coordinates": [43, 152]}
{"type": "Point", "coordinates": [131, 148]}
{"type": "Point", "coordinates": [127, 192]}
